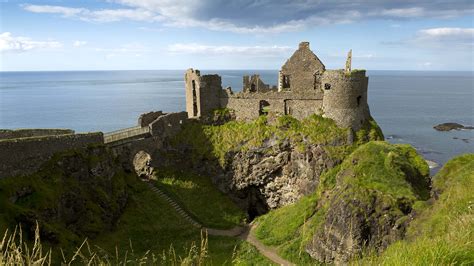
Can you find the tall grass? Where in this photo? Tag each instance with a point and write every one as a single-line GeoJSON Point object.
{"type": "Point", "coordinates": [14, 250]}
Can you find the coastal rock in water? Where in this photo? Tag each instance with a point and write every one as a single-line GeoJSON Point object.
{"type": "Point", "coordinates": [451, 126]}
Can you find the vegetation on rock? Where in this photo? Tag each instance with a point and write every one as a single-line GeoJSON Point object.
{"type": "Point", "coordinates": [442, 232]}
{"type": "Point", "coordinates": [122, 218]}
{"type": "Point", "coordinates": [377, 180]}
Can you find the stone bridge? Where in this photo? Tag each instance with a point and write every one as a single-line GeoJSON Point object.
{"type": "Point", "coordinates": [126, 135]}
{"type": "Point", "coordinates": [138, 146]}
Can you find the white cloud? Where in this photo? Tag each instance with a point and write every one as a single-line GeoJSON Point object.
{"type": "Point", "coordinates": [194, 48]}
{"type": "Point", "coordinates": [130, 48]}
{"type": "Point", "coordinates": [10, 43]}
{"type": "Point", "coordinates": [448, 32]}
{"type": "Point", "coordinates": [444, 37]}
{"type": "Point", "coordinates": [102, 15]}
{"type": "Point", "coordinates": [261, 16]}
{"type": "Point", "coordinates": [79, 43]}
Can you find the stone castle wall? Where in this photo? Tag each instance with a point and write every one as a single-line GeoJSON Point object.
{"type": "Point", "coordinates": [345, 97]}
{"type": "Point", "coordinates": [168, 125]}
{"type": "Point", "coordinates": [27, 133]}
{"type": "Point", "coordinates": [305, 88]}
{"type": "Point", "coordinates": [202, 92]}
{"type": "Point", "coordinates": [26, 155]}
{"type": "Point", "coordinates": [147, 118]}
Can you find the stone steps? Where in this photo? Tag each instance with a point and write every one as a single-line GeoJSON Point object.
{"type": "Point", "coordinates": [175, 206]}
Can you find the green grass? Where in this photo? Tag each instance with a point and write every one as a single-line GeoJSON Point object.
{"type": "Point", "coordinates": [200, 198]}
{"type": "Point", "coordinates": [213, 142]}
{"type": "Point", "coordinates": [442, 233]}
{"type": "Point", "coordinates": [146, 224]}
{"type": "Point", "coordinates": [395, 172]}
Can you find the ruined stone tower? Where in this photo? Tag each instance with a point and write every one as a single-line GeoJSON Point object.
{"type": "Point", "coordinates": [202, 92]}
{"type": "Point", "coordinates": [305, 87]}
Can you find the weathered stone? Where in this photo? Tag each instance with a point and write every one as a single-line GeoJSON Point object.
{"type": "Point", "coordinates": [451, 126]}
{"type": "Point", "coordinates": [305, 88]}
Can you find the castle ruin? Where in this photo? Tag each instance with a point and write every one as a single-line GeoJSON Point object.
{"type": "Point", "coordinates": [305, 87]}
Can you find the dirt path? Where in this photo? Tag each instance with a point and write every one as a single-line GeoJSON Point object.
{"type": "Point", "coordinates": [243, 232]}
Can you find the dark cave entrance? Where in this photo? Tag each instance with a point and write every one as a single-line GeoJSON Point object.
{"type": "Point", "coordinates": [256, 203]}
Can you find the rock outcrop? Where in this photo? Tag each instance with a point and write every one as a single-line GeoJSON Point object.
{"type": "Point", "coordinates": [279, 172]}
{"type": "Point", "coordinates": [81, 192]}
{"type": "Point", "coordinates": [451, 126]}
{"type": "Point", "coordinates": [371, 202]}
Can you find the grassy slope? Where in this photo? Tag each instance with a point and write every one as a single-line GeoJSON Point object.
{"type": "Point", "coordinates": [442, 233]}
{"type": "Point", "coordinates": [200, 198]}
{"type": "Point", "coordinates": [380, 166]}
{"type": "Point", "coordinates": [148, 223]}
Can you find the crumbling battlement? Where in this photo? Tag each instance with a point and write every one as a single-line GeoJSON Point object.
{"type": "Point", "coordinates": [305, 87]}
{"type": "Point", "coordinates": [25, 155]}
{"type": "Point", "coordinates": [28, 133]}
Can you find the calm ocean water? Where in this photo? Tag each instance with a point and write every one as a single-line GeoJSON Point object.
{"type": "Point", "coordinates": [406, 104]}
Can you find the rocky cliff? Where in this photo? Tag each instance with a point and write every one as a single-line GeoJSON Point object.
{"type": "Point", "coordinates": [77, 194]}
{"type": "Point", "coordinates": [266, 164]}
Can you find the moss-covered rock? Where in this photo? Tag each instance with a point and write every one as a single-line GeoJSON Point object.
{"type": "Point", "coordinates": [364, 202]}
{"type": "Point", "coordinates": [442, 232]}
{"type": "Point", "coordinates": [77, 194]}
{"type": "Point", "coordinates": [368, 200]}
{"type": "Point", "coordinates": [265, 165]}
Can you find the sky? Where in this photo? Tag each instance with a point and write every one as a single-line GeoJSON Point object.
{"type": "Point", "coordinates": [40, 35]}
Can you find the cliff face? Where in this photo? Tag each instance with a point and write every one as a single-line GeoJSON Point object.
{"type": "Point", "coordinates": [364, 192]}
{"type": "Point", "coordinates": [77, 194]}
{"type": "Point", "coordinates": [265, 164]}
{"type": "Point", "coordinates": [368, 201]}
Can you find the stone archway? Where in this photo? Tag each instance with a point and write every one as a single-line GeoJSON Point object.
{"type": "Point", "coordinates": [142, 164]}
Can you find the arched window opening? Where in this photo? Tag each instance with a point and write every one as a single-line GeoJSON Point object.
{"type": "Point", "coordinates": [195, 111]}
{"type": "Point", "coordinates": [264, 107]}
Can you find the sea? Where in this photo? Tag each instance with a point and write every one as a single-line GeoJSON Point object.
{"type": "Point", "coordinates": [406, 104]}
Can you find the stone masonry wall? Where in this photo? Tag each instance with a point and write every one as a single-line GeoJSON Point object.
{"type": "Point", "coordinates": [168, 125]}
{"type": "Point", "coordinates": [146, 119]}
{"type": "Point", "coordinates": [25, 156]}
{"type": "Point", "coordinates": [301, 67]}
{"type": "Point", "coordinates": [192, 85]}
{"type": "Point", "coordinates": [345, 97]}
{"type": "Point", "coordinates": [210, 90]}
{"type": "Point", "coordinates": [27, 133]}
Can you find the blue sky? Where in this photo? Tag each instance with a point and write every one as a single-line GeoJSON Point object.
{"type": "Point", "coordinates": [227, 34]}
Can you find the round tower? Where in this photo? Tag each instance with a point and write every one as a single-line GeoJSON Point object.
{"type": "Point", "coordinates": [345, 97]}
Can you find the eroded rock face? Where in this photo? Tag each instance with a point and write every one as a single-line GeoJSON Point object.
{"type": "Point", "coordinates": [356, 220]}
{"type": "Point", "coordinates": [89, 196]}
{"type": "Point", "coordinates": [271, 176]}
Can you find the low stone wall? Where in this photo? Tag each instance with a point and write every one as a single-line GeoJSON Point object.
{"type": "Point", "coordinates": [145, 119]}
{"type": "Point", "coordinates": [168, 125]}
{"type": "Point", "coordinates": [26, 155]}
{"type": "Point", "coordinates": [27, 133]}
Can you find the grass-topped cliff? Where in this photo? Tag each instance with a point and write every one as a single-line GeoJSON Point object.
{"type": "Point", "coordinates": [85, 194]}
{"type": "Point", "coordinates": [374, 188]}
{"type": "Point", "coordinates": [215, 141]}
{"type": "Point", "coordinates": [319, 194]}
{"type": "Point", "coordinates": [442, 232]}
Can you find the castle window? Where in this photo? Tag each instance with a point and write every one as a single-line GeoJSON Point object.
{"type": "Point", "coordinates": [194, 99]}
{"type": "Point", "coordinates": [327, 86]}
{"type": "Point", "coordinates": [317, 81]}
{"type": "Point", "coordinates": [286, 81]}
{"type": "Point", "coordinates": [252, 87]}
{"type": "Point", "coordinates": [358, 100]}
{"type": "Point", "coordinates": [264, 107]}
